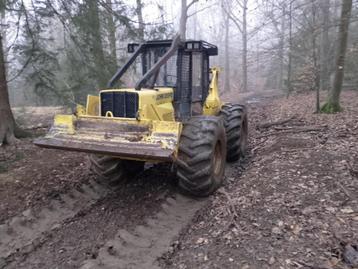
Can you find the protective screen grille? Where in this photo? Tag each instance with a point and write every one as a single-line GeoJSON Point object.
{"type": "Point", "coordinates": [205, 77]}
{"type": "Point", "coordinates": [185, 78]}
{"type": "Point", "coordinates": [121, 104]}
{"type": "Point", "coordinates": [182, 94]}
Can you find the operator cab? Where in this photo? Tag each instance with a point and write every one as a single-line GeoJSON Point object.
{"type": "Point", "coordinates": [183, 66]}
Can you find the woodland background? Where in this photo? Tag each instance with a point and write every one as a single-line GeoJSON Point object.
{"type": "Point", "coordinates": [59, 51]}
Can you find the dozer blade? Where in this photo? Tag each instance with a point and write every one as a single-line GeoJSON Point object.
{"type": "Point", "coordinates": [150, 140]}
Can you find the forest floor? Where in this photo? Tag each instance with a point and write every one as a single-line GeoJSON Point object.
{"type": "Point", "coordinates": [295, 205]}
{"type": "Point", "coordinates": [292, 203]}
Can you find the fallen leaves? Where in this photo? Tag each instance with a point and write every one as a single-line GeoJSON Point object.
{"type": "Point", "coordinates": [296, 201]}
{"type": "Point", "coordinates": [347, 210]}
{"type": "Point", "coordinates": [202, 241]}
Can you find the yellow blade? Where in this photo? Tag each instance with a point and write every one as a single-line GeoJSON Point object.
{"type": "Point", "coordinates": [156, 141]}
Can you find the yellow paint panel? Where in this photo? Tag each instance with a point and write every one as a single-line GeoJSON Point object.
{"type": "Point", "coordinates": [169, 127]}
{"type": "Point", "coordinates": [92, 108]}
{"type": "Point", "coordinates": [167, 133]}
{"type": "Point", "coordinates": [65, 122]}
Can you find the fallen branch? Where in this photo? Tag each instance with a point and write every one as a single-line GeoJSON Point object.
{"type": "Point", "coordinates": [311, 266]}
{"type": "Point", "coordinates": [274, 123]}
{"type": "Point", "coordinates": [346, 192]}
{"type": "Point", "coordinates": [277, 128]}
{"type": "Point", "coordinates": [352, 171]}
{"type": "Point", "coordinates": [258, 145]}
{"type": "Point", "coordinates": [295, 130]}
{"type": "Point", "coordinates": [232, 209]}
{"type": "Point", "coordinates": [294, 150]}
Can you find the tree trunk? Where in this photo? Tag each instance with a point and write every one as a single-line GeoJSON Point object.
{"type": "Point", "coordinates": [324, 50]}
{"type": "Point", "coordinates": [333, 102]}
{"type": "Point", "coordinates": [226, 56]}
{"type": "Point", "coordinates": [112, 36]}
{"type": "Point", "coordinates": [7, 122]}
{"type": "Point", "coordinates": [195, 26]}
{"type": "Point", "coordinates": [316, 82]}
{"type": "Point", "coordinates": [96, 41]}
{"type": "Point", "coordinates": [141, 29]}
{"type": "Point", "coordinates": [244, 45]}
{"type": "Point", "coordinates": [183, 19]}
{"type": "Point", "coordinates": [289, 68]}
{"type": "Point", "coordinates": [282, 47]}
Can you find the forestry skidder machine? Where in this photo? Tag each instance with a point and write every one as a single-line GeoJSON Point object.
{"type": "Point", "coordinates": [173, 114]}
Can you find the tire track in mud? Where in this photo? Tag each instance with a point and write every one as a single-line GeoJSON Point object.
{"type": "Point", "coordinates": [23, 233]}
{"type": "Point", "coordinates": [142, 247]}
{"type": "Point", "coordinates": [65, 242]}
{"type": "Point", "coordinates": [131, 227]}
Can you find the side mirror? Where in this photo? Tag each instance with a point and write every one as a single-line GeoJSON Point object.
{"type": "Point", "coordinates": [132, 47]}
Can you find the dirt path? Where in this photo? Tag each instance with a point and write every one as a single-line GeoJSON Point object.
{"type": "Point", "coordinates": [291, 204]}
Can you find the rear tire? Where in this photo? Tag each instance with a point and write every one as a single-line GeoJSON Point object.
{"type": "Point", "coordinates": [236, 126]}
{"type": "Point", "coordinates": [114, 171]}
{"type": "Point", "coordinates": [201, 156]}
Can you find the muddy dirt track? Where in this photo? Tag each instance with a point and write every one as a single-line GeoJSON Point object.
{"type": "Point", "coordinates": [291, 204]}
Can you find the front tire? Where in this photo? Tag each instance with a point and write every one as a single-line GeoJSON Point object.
{"type": "Point", "coordinates": [112, 170]}
{"type": "Point", "coordinates": [201, 156]}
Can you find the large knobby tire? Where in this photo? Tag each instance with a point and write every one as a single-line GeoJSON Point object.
{"type": "Point", "coordinates": [201, 156]}
{"type": "Point", "coordinates": [114, 171]}
{"type": "Point", "coordinates": [236, 126]}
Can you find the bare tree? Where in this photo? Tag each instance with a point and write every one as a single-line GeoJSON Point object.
{"type": "Point", "coordinates": [241, 24]}
{"type": "Point", "coordinates": [111, 34]}
{"type": "Point", "coordinates": [244, 44]}
{"type": "Point", "coordinates": [184, 17]}
{"type": "Point", "coordinates": [7, 121]}
{"type": "Point", "coordinates": [276, 14]}
{"type": "Point", "coordinates": [324, 46]}
{"type": "Point", "coordinates": [289, 68]}
{"type": "Point", "coordinates": [95, 39]}
{"type": "Point", "coordinates": [333, 103]}
{"type": "Point", "coordinates": [281, 51]}
{"type": "Point", "coordinates": [141, 29]}
{"type": "Point", "coordinates": [226, 55]}
{"type": "Point", "coordinates": [9, 130]}
{"type": "Point", "coordinates": [314, 54]}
